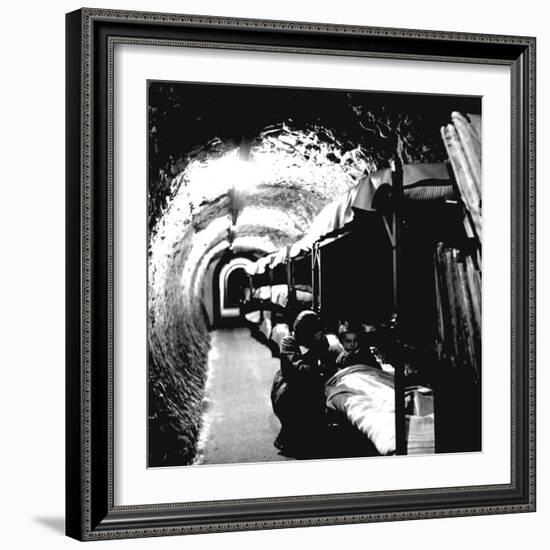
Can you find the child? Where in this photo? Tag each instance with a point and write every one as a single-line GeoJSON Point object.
{"type": "Point", "coordinates": [356, 351]}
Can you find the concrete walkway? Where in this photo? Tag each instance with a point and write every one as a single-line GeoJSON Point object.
{"type": "Point", "coordinates": [238, 421]}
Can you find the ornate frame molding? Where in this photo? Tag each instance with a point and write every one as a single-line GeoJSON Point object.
{"type": "Point", "coordinates": [91, 36]}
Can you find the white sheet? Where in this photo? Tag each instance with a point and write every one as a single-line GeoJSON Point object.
{"type": "Point", "coordinates": [366, 396]}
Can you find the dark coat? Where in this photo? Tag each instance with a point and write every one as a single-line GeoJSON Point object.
{"type": "Point", "coordinates": [298, 395]}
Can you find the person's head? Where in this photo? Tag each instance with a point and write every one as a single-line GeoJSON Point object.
{"type": "Point", "coordinates": [350, 335]}
{"type": "Point", "coordinates": [306, 327]}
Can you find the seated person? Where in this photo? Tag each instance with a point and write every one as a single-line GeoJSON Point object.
{"type": "Point", "coordinates": [354, 340]}
{"type": "Point", "coordinates": [297, 394]}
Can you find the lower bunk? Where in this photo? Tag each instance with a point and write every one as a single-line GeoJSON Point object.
{"type": "Point", "coordinates": [364, 397]}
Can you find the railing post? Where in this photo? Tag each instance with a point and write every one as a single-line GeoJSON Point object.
{"type": "Point", "coordinates": [291, 302]}
{"type": "Point", "coordinates": [316, 276]}
{"type": "Point", "coordinates": [399, 376]}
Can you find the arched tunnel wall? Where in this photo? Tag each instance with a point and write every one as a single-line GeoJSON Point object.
{"type": "Point", "coordinates": [193, 234]}
{"type": "Point", "coordinates": [179, 342]}
{"type": "Point", "coordinates": [208, 292]}
{"type": "Point", "coordinates": [224, 268]}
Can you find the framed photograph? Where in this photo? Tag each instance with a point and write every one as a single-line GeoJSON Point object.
{"type": "Point", "coordinates": [300, 274]}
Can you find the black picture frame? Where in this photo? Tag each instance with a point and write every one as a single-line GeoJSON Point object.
{"type": "Point", "coordinates": [90, 510]}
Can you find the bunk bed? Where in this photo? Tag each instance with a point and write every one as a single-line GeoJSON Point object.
{"type": "Point", "coordinates": [365, 396]}
{"type": "Point", "coordinates": [417, 230]}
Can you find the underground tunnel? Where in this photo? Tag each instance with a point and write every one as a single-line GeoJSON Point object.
{"type": "Point", "coordinates": [237, 173]}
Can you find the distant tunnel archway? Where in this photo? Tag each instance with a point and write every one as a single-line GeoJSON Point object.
{"type": "Point", "coordinates": [231, 280]}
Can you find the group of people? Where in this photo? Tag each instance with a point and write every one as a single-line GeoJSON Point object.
{"type": "Point", "coordinates": [308, 360]}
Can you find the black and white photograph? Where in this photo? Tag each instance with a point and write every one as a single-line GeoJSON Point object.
{"type": "Point", "coordinates": [314, 267]}
{"type": "Point", "coordinates": [270, 275]}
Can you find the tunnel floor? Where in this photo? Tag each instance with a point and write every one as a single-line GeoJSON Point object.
{"type": "Point", "coordinates": [238, 421]}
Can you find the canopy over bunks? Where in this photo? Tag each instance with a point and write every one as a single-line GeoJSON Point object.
{"type": "Point", "coordinates": [421, 182]}
{"type": "Point", "coordinates": [269, 262]}
{"type": "Point", "coordinates": [270, 269]}
{"type": "Point", "coordinates": [333, 217]}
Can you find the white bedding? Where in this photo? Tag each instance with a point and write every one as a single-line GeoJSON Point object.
{"type": "Point", "coordinates": [278, 294]}
{"type": "Point", "coordinates": [366, 396]}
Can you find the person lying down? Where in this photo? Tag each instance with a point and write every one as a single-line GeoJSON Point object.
{"type": "Point", "coordinates": [364, 393]}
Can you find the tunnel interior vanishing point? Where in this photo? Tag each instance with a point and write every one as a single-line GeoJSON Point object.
{"type": "Point", "coordinates": [235, 173]}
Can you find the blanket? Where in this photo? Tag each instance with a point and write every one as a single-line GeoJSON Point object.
{"type": "Point", "coordinates": [278, 294]}
{"type": "Point", "coordinates": [365, 395]}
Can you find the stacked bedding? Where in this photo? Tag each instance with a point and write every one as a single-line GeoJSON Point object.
{"type": "Point", "coordinates": [278, 295]}
{"type": "Point", "coordinates": [365, 395]}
